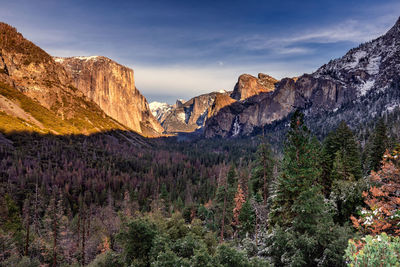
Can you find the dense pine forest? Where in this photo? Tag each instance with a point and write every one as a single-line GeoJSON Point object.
{"type": "Point", "coordinates": [104, 200]}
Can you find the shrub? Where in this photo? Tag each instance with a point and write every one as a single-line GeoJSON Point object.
{"type": "Point", "coordinates": [380, 250]}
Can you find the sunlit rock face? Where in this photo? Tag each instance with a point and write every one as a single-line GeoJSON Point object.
{"type": "Point", "coordinates": [357, 88]}
{"type": "Point", "coordinates": [112, 87]}
{"type": "Point", "coordinates": [248, 86]}
{"type": "Point", "coordinates": [191, 115]}
{"type": "Point", "coordinates": [29, 70]}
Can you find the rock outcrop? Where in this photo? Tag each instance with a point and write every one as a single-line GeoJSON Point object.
{"type": "Point", "coordinates": [112, 87]}
{"type": "Point", "coordinates": [41, 90]}
{"type": "Point", "coordinates": [191, 115]}
{"type": "Point", "coordinates": [357, 88]}
{"type": "Point", "coordinates": [248, 86]}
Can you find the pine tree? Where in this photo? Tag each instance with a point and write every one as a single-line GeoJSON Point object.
{"type": "Point", "coordinates": [27, 223]}
{"type": "Point", "coordinates": [224, 202]}
{"type": "Point", "coordinates": [247, 218]}
{"type": "Point", "coordinates": [262, 172]}
{"type": "Point", "coordinates": [377, 147]}
{"type": "Point", "coordinates": [342, 172]}
{"type": "Point", "coordinates": [340, 145]}
{"type": "Point", "coordinates": [52, 223]}
{"type": "Point", "coordinates": [239, 200]}
{"type": "Point", "coordinates": [300, 171]}
{"type": "Point", "coordinates": [303, 233]}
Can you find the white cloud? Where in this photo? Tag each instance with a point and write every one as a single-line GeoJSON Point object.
{"type": "Point", "coordinates": [355, 31]}
{"type": "Point", "coordinates": [188, 81]}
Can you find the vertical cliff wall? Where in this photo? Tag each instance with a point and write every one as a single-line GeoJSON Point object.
{"type": "Point", "coordinates": [112, 87]}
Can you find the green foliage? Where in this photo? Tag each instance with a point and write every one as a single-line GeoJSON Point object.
{"type": "Point", "coordinates": [169, 259]}
{"type": "Point", "coordinates": [16, 261]}
{"type": "Point", "coordinates": [137, 241]}
{"type": "Point", "coordinates": [341, 172]}
{"type": "Point", "coordinates": [202, 258]}
{"type": "Point", "coordinates": [380, 250]}
{"type": "Point", "coordinates": [300, 173]}
{"type": "Point", "coordinates": [262, 170]}
{"type": "Point", "coordinates": [377, 146]}
{"type": "Point", "coordinates": [347, 197]}
{"type": "Point", "coordinates": [303, 232]}
{"type": "Point", "coordinates": [340, 157]}
{"type": "Point", "coordinates": [106, 259]}
{"type": "Point", "coordinates": [224, 202]}
{"type": "Point", "coordinates": [227, 256]}
{"type": "Point", "coordinates": [247, 218]}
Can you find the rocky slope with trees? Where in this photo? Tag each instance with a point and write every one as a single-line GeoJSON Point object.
{"type": "Point", "coordinates": [358, 88]}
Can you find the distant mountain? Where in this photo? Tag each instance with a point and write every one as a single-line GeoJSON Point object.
{"type": "Point", "coordinates": [357, 88]}
{"type": "Point", "coordinates": [159, 109]}
{"type": "Point", "coordinates": [192, 115]}
{"type": "Point", "coordinates": [112, 87]}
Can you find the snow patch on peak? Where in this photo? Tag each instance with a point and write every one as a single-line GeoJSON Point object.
{"type": "Point", "coordinates": [159, 109]}
{"type": "Point", "coordinates": [364, 88]}
{"type": "Point", "coordinates": [356, 59]}
{"type": "Point", "coordinates": [87, 58]}
{"type": "Point", "coordinates": [373, 65]}
{"type": "Point", "coordinates": [155, 105]}
{"type": "Point", "coordinates": [59, 59]}
{"type": "Point", "coordinates": [182, 116]}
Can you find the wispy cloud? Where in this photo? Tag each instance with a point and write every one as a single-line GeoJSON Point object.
{"type": "Point", "coordinates": [353, 31]}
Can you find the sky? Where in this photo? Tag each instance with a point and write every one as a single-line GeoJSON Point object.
{"type": "Point", "coordinates": [184, 48]}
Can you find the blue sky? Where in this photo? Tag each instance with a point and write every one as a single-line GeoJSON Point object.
{"type": "Point", "coordinates": [179, 49]}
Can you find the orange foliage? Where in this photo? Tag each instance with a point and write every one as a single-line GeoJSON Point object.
{"type": "Point", "coordinates": [383, 200]}
{"type": "Point", "coordinates": [239, 200]}
{"type": "Point", "coordinates": [105, 246]}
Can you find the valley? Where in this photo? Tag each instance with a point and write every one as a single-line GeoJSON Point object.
{"type": "Point", "coordinates": [297, 171]}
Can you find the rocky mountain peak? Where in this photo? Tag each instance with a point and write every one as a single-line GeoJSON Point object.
{"type": "Point", "coordinates": [248, 85]}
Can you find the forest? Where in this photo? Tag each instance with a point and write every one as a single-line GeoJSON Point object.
{"type": "Point", "coordinates": [103, 200]}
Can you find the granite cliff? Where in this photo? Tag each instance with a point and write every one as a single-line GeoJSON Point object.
{"type": "Point", "coordinates": [37, 93]}
{"type": "Point", "coordinates": [193, 114]}
{"type": "Point", "coordinates": [248, 86]}
{"type": "Point", "coordinates": [112, 87]}
{"type": "Point", "coordinates": [358, 88]}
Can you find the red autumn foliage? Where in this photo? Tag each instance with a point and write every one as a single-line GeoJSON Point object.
{"type": "Point", "coordinates": [383, 199]}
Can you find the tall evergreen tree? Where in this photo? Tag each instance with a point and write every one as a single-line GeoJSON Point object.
{"type": "Point", "coordinates": [340, 143]}
{"type": "Point", "coordinates": [262, 172]}
{"type": "Point", "coordinates": [224, 202]}
{"type": "Point", "coordinates": [303, 233]}
{"type": "Point", "coordinates": [300, 171]}
{"type": "Point", "coordinates": [377, 147]}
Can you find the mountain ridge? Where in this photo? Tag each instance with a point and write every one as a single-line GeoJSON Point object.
{"type": "Point", "coordinates": [37, 93]}
{"type": "Point", "coordinates": [357, 87]}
